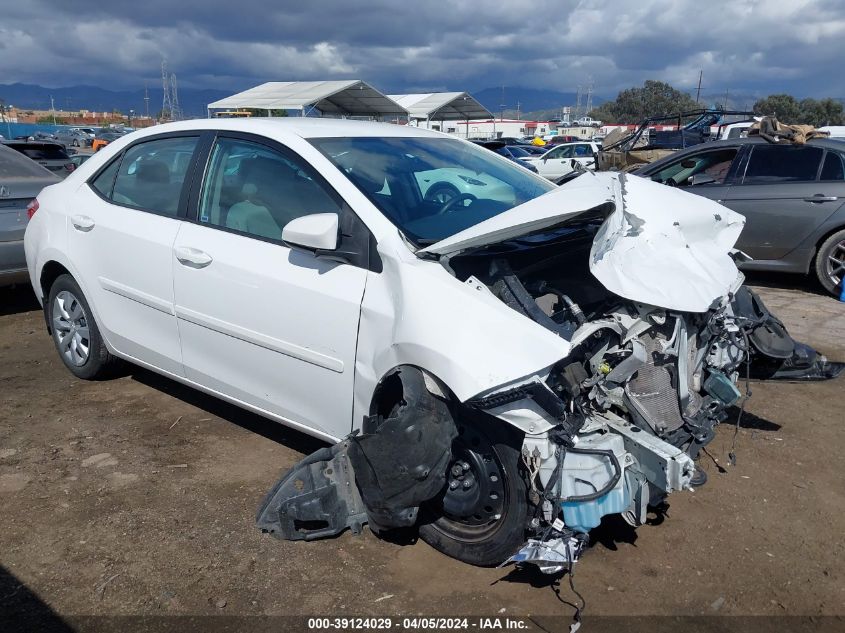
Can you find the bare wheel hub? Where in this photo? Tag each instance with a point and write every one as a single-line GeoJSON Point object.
{"type": "Point", "coordinates": [475, 493]}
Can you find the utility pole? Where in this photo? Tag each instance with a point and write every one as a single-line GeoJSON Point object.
{"type": "Point", "coordinates": [698, 92]}
{"type": "Point", "coordinates": [502, 106]}
{"type": "Point", "coordinates": [146, 101]}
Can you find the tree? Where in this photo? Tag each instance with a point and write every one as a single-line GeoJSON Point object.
{"type": "Point", "coordinates": [822, 112]}
{"type": "Point", "coordinates": [788, 109]}
{"type": "Point", "coordinates": [785, 107]}
{"type": "Point", "coordinates": [655, 98]}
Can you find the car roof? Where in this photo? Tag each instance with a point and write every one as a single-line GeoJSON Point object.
{"type": "Point", "coordinates": [830, 143]}
{"type": "Point", "coordinates": [304, 127]}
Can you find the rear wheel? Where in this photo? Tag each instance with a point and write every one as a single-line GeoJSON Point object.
{"type": "Point", "coordinates": [830, 263]}
{"type": "Point", "coordinates": [75, 333]}
{"type": "Point", "coordinates": [481, 516]}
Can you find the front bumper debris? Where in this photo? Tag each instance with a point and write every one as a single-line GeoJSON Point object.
{"type": "Point", "coordinates": [380, 477]}
{"type": "Point", "coordinates": [552, 556]}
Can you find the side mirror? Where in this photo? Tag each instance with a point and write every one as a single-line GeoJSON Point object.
{"type": "Point", "coordinates": [317, 231]}
{"type": "Point", "coordinates": [701, 179]}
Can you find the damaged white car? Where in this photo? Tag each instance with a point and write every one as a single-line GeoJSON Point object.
{"type": "Point", "coordinates": [501, 367]}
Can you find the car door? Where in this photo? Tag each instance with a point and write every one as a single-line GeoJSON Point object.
{"type": "Point", "coordinates": [782, 198]}
{"type": "Point", "coordinates": [271, 327]}
{"type": "Point", "coordinates": [121, 232]}
{"type": "Point", "coordinates": [556, 162]}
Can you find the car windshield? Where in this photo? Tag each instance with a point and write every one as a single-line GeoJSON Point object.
{"type": "Point", "coordinates": [432, 188]}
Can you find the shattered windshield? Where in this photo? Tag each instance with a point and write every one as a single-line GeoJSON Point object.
{"type": "Point", "coordinates": [432, 188]}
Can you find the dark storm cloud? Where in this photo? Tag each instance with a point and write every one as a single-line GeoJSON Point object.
{"type": "Point", "coordinates": [758, 45]}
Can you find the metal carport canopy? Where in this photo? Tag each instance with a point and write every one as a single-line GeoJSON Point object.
{"type": "Point", "coordinates": [442, 106]}
{"type": "Point", "coordinates": [350, 98]}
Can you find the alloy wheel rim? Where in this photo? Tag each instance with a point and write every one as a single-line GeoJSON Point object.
{"type": "Point", "coordinates": [835, 264]}
{"type": "Point", "coordinates": [70, 328]}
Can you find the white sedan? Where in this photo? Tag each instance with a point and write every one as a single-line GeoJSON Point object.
{"type": "Point", "coordinates": [557, 162]}
{"type": "Point", "coordinates": [488, 364]}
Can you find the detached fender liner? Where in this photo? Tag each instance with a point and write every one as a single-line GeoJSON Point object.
{"type": "Point", "coordinates": [381, 477]}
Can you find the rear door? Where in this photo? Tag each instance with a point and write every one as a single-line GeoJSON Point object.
{"type": "Point", "coordinates": [783, 198]}
{"type": "Point", "coordinates": [121, 233]}
{"type": "Point", "coordinates": [272, 327]}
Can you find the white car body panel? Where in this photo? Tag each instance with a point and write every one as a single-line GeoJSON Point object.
{"type": "Point", "coordinates": [270, 326]}
{"type": "Point", "coordinates": [641, 252]}
{"type": "Point", "coordinates": [125, 257]}
{"type": "Point", "coordinates": [408, 318]}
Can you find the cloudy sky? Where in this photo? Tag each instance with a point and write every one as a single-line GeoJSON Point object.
{"type": "Point", "coordinates": [750, 46]}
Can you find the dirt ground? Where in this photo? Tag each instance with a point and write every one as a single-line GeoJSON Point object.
{"type": "Point", "coordinates": [138, 495]}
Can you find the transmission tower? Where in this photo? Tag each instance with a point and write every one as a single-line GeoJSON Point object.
{"type": "Point", "coordinates": [589, 97]}
{"type": "Point", "coordinates": [170, 100]}
{"type": "Point", "coordinates": [175, 109]}
{"type": "Point", "coordinates": [166, 104]}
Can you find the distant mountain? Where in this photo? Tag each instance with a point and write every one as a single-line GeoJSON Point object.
{"type": "Point", "coordinates": [530, 100]}
{"type": "Point", "coordinates": [192, 101]}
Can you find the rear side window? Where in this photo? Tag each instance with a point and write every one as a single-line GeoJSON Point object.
{"type": "Point", "coordinates": [104, 182]}
{"type": "Point", "coordinates": [832, 168]}
{"type": "Point", "coordinates": [782, 163]}
{"type": "Point", "coordinates": [152, 174]}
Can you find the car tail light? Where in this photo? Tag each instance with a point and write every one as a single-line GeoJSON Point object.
{"type": "Point", "coordinates": [31, 208]}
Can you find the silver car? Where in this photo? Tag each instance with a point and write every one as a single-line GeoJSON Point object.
{"type": "Point", "coordinates": [20, 181]}
{"type": "Point", "coordinates": [792, 196]}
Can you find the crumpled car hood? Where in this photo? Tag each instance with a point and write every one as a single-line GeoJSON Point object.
{"type": "Point", "coordinates": [660, 246]}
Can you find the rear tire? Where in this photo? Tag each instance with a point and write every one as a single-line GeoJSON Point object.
{"type": "Point", "coordinates": [75, 333]}
{"type": "Point", "coordinates": [483, 523]}
{"type": "Point", "coordinates": [830, 263]}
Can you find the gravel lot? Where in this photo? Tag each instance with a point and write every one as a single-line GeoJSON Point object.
{"type": "Point", "coordinates": [137, 496]}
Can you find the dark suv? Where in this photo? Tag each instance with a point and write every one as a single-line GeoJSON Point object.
{"type": "Point", "coordinates": [48, 154]}
{"type": "Point", "coordinates": [792, 196]}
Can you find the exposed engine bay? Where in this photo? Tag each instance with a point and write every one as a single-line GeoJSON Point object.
{"type": "Point", "coordinates": [613, 428]}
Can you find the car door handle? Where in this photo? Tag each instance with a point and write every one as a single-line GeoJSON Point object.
{"type": "Point", "coordinates": [821, 198]}
{"type": "Point", "coordinates": [82, 223]}
{"type": "Point", "coordinates": [192, 257]}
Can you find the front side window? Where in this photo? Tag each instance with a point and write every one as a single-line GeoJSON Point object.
{"type": "Point", "coordinates": [431, 188]}
{"type": "Point", "coordinates": [715, 163]}
{"type": "Point", "coordinates": [151, 174]}
{"type": "Point", "coordinates": [778, 163]}
{"type": "Point", "coordinates": [253, 189]}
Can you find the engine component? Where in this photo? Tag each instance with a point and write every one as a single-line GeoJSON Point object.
{"type": "Point", "coordinates": [722, 388]}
